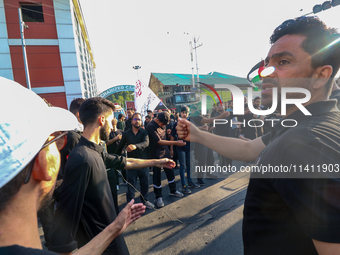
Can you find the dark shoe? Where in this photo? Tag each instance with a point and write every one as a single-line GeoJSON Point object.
{"type": "Point", "coordinates": [200, 182]}
{"type": "Point", "coordinates": [194, 185]}
{"type": "Point", "coordinates": [186, 190]}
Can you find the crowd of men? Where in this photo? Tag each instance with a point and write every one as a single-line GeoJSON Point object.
{"type": "Point", "coordinates": [48, 152]}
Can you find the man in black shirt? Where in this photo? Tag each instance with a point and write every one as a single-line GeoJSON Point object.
{"type": "Point", "coordinates": [112, 174]}
{"type": "Point", "coordinates": [297, 214]}
{"type": "Point", "coordinates": [159, 149]}
{"type": "Point", "coordinates": [73, 137]}
{"type": "Point", "coordinates": [130, 111]}
{"type": "Point", "coordinates": [137, 141]}
{"type": "Point", "coordinates": [86, 205]}
{"type": "Point", "coordinates": [29, 168]}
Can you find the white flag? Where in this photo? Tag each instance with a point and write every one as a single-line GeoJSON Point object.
{"type": "Point", "coordinates": [145, 99]}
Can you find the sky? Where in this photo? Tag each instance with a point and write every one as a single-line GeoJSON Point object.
{"type": "Point", "coordinates": [155, 35]}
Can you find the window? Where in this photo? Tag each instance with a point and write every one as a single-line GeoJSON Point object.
{"type": "Point", "coordinates": [32, 13]}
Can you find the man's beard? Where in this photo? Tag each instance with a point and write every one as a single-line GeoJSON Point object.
{"type": "Point", "coordinates": [104, 132]}
{"type": "Point", "coordinates": [137, 126]}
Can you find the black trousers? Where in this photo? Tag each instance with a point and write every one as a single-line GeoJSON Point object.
{"type": "Point", "coordinates": [143, 175]}
{"type": "Point", "coordinates": [157, 178]}
{"type": "Point", "coordinates": [113, 181]}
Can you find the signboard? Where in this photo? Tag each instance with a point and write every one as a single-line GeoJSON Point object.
{"type": "Point", "coordinates": [117, 89]}
{"type": "Point", "coordinates": [129, 104]}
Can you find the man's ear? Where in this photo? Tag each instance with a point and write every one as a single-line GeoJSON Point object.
{"type": "Point", "coordinates": [101, 120]}
{"type": "Point", "coordinates": [40, 171]}
{"type": "Point", "coordinates": [322, 75]}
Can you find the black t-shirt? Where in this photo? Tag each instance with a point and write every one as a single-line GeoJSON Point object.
{"type": "Point", "coordinates": [141, 140]}
{"type": "Point", "coordinates": [111, 149]}
{"type": "Point", "coordinates": [16, 249]}
{"type": "Point", "coordinates": [72, 141]}
{"type": "Point", "coordinates": [249, 131]}
{"type": "Point", "coordinates": [128, 124]}
{"type": "Point", "coordinates": [336, 95]}
{"type": "Point", "coordinates": [157, 133]}
{"type": "Point", "coordinates": [197, 120]}
{"type": "Point", "coordinates": [223, 129]}
{"type": "Point", "coordinates": [86, 205]}
{"type": "Point", "coordinates": [283, 215]}
{"type": "Point", "coordinates": [186, 147]}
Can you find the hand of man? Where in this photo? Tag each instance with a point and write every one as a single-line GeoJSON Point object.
{"type": "Point", "coordinates": [226, 114]}
{"type": "Point", "coordinates": [131, 147]}
{"type": "Point", "coordinates": [118, 137]}
{"type": "Point", "coordinates": [187, 131]}
{"type": "Point", "coordinates": [181, 143]}
{"type": "Point", "coordinates": [129, 214]}
{"type": "Point", "coordinates": [165, 163]}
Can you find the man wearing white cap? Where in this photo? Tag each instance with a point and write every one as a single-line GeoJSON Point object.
{"type": "Point", "coordinates": [30, 136]}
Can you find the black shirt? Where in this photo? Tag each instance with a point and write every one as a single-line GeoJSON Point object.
{"type": "Point", "coordinates": [86, 204]}
{"type": "Point", "coordinates": [223, 129]}
{"type": "Point", "coordinates": [197, 120]}
{"type": "Point", "coordinates": [157, 133]}
{"type": "Point", "coordinates": [336, 95]}
{"type": "Point", "coordinates": [16, 249]}
{"type": "Point", "coordinates": [283, 215]}
{"type": "Point", "coordinates": [128, 124]}
{"type": "Point", "coordinates": [111, 149]}
{"type": "Point", "coordinates": [186, 147]}
{"type": "Point", "coordinates": [72, 141]}
{"type": "Point", "coordinates": [141, 140]}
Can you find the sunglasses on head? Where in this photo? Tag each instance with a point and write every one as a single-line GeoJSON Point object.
{"type": "Point", "coordinates": [60, 138]}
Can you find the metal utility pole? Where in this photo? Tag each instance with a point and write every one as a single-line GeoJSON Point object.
{"type": "Point", "coordinates": [137, 68]}
{"type": "Point", "coordinates": [23, 26]}
{"type": "Point", "coordinates": [195, 40]}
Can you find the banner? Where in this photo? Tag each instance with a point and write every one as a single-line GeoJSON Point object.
{"type": "Point", "coordinates": [145, 99]}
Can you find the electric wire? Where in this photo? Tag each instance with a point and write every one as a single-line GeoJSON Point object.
{"type": "Point", "coordinates": [175, 219]}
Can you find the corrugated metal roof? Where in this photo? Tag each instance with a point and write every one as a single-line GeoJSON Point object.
{"type": "Point", "coordinates": [169, 79]}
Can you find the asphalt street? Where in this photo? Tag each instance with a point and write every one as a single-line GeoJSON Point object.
{"type": "Point", "coordinates": [207, 221]}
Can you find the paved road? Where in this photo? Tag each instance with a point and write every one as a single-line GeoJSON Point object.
{"type": "Point", "coordinates": [208, 221]}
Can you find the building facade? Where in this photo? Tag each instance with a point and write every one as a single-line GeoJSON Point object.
{"type": "Point", "coordinates": [60, 61]}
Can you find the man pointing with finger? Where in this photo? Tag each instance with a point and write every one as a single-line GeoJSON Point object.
{"type": "Point", "coordinates": [287, 213]}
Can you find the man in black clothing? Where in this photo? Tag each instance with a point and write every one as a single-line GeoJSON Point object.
{"type": "Point", "coordinates": [159, 149]}
{"type": "Point", "coordinates": [112, 174]}
{"type": "Point", "coordinates": [130, 111]}
{"type": "Point", "coordinates": [297, 214]}
{"type": "Point", "coordinates": [137, 141]}
{"type": "Point", "coordinates": [29, 168]}
{"type": "Point", "coordinates": [86, 205]}
{"type": "Point", "coordinates": [147, 120]}
{"type": "Point", "coordinates": [73, 137]}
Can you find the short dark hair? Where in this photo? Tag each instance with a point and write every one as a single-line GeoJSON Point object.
{"type": "Point", "coordinates": [257, 98]}
{"type": "Point", "coordinates": [184, 108]}
{"type": "Point", "coordinates": [120, 116]}
{"type": "Point", "coordinates": [8, 191]}
{"type": "Point", "coordinates": [92, 108]}
{"type": "Point", "coordinates": [148, 111]}
{"type": "Point", "coordinates": [136, 113]}
{"type": "Point", "coordinates": [147, 116]}
{"type": "Point", "coordinates": [321, 43]}
{"type": "Point", "coordinates": [75, 105]}
{"type": "Point", "coordinates": [130, 108]}
{"type": "Point", "coordinates": [164, 117]}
